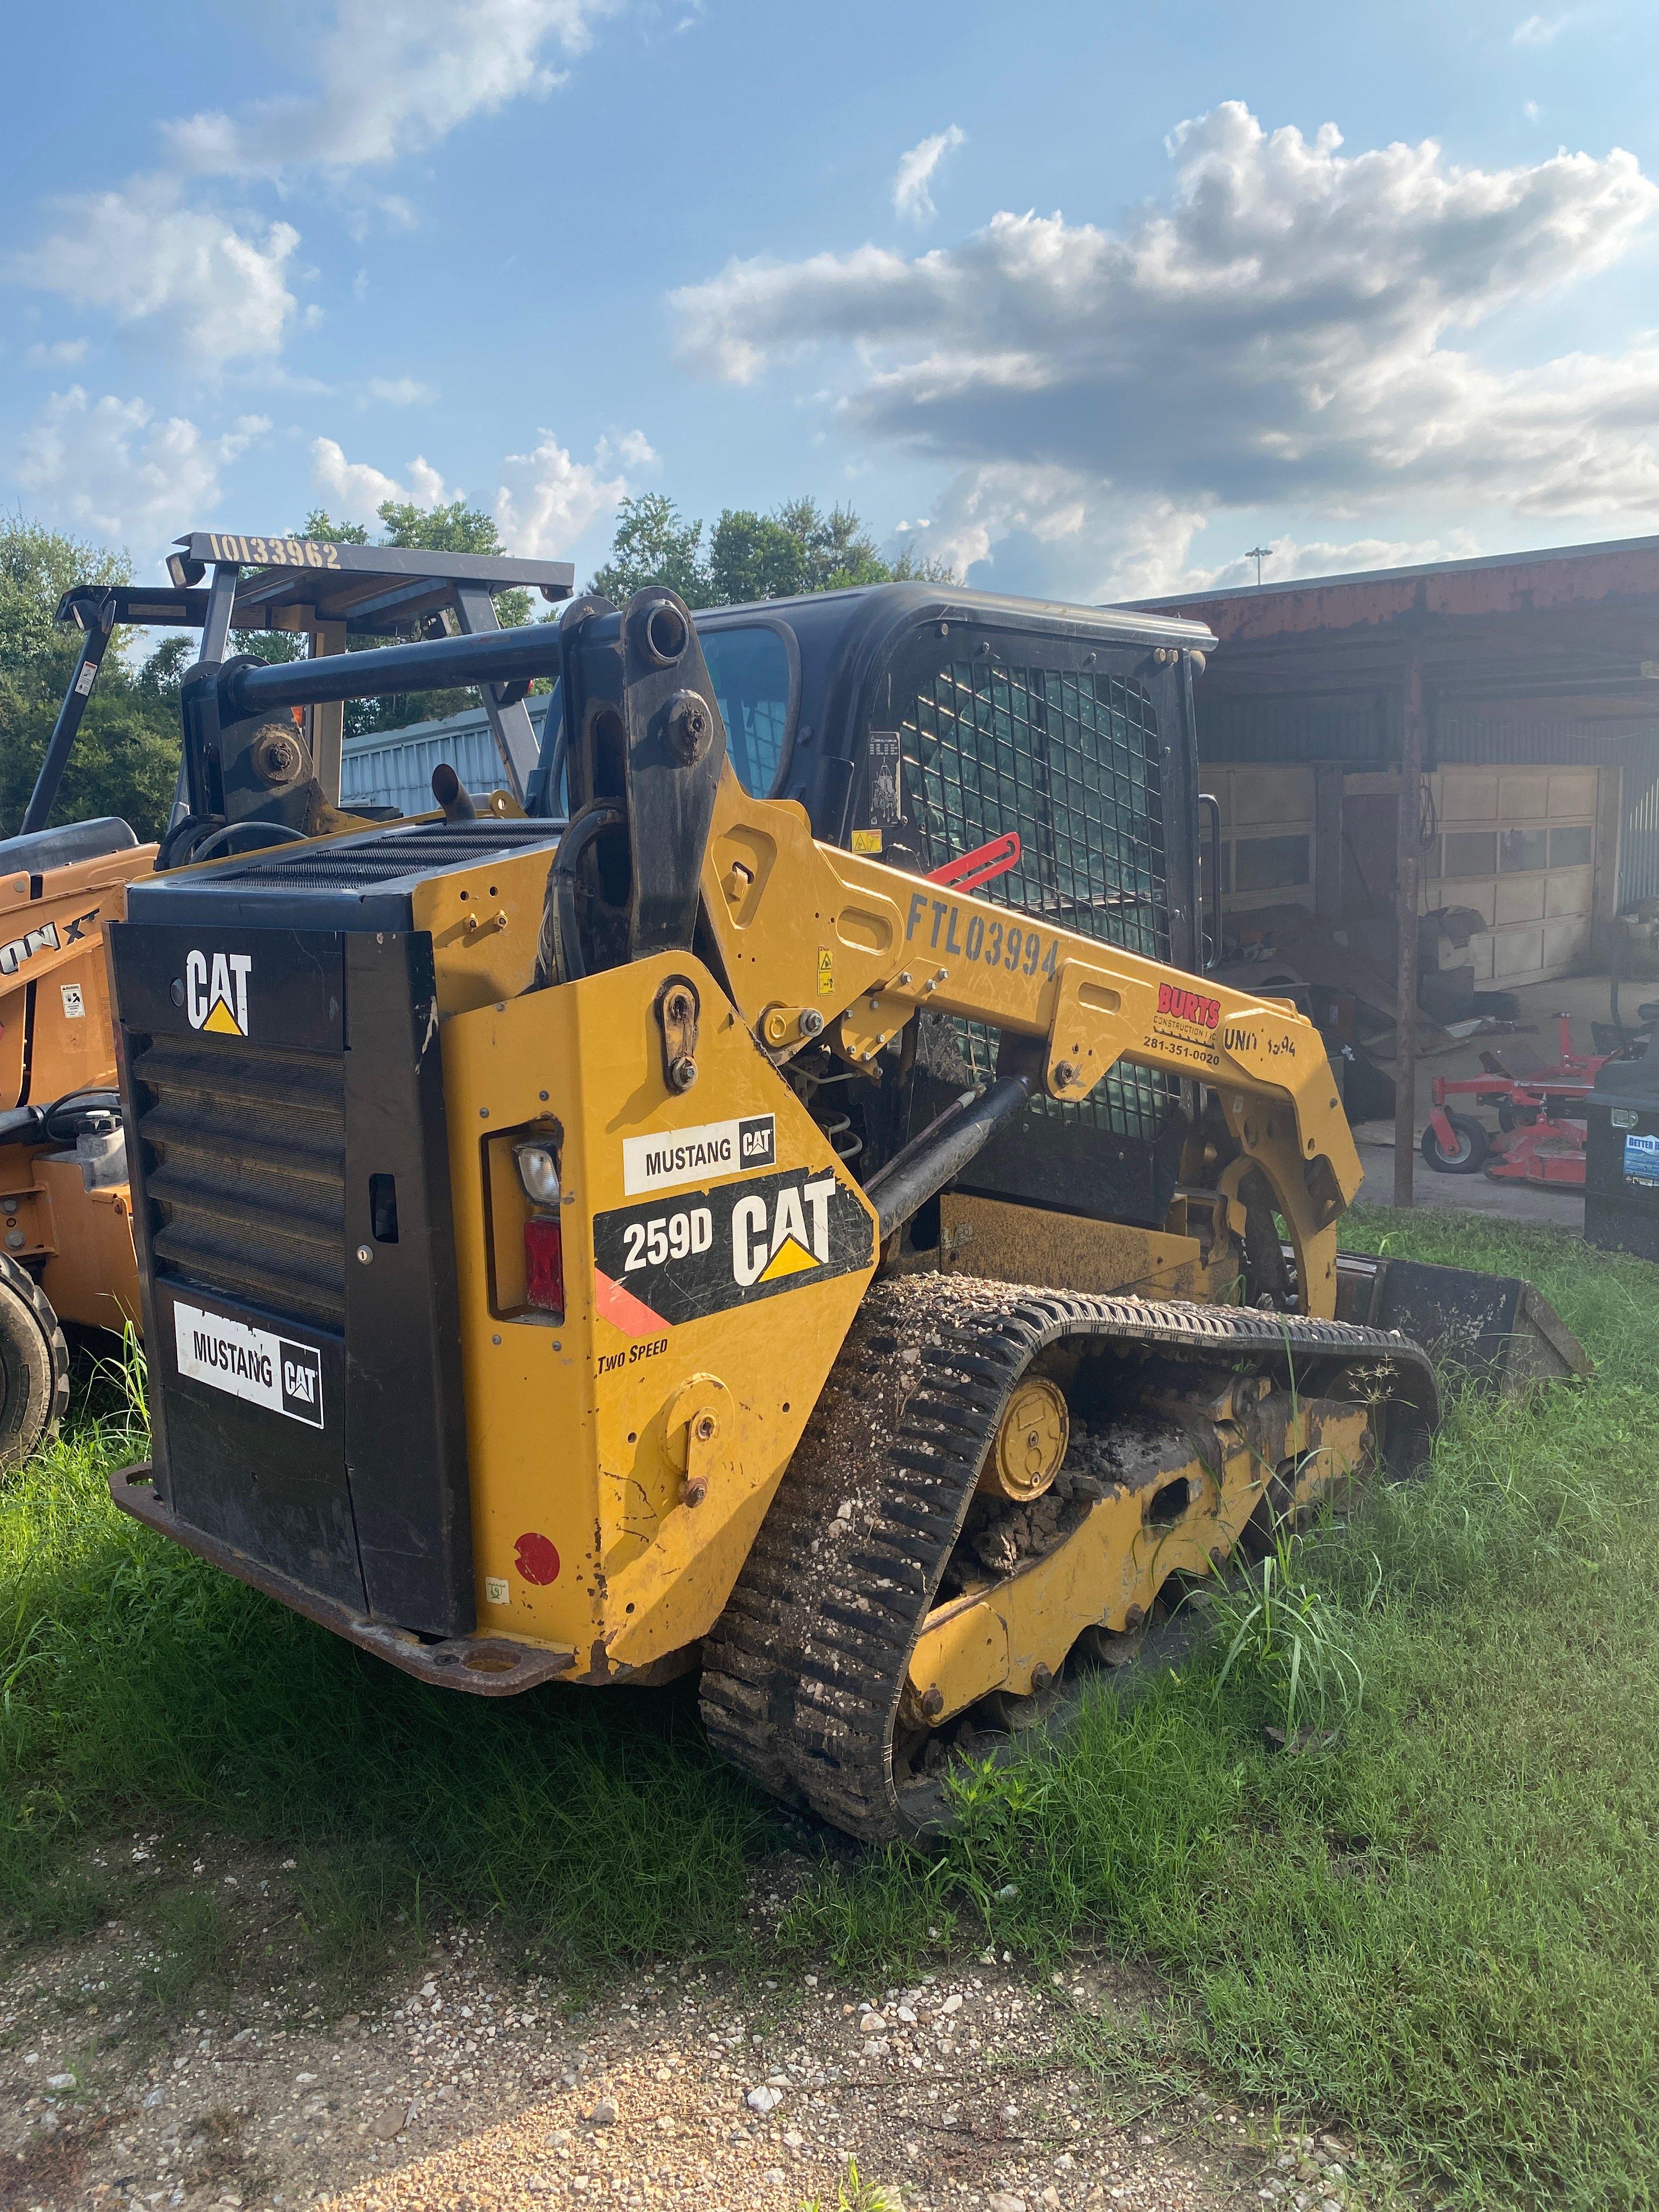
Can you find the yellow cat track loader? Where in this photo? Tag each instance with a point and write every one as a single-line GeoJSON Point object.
{"type": "Point", "coordinates": [684, 1228]}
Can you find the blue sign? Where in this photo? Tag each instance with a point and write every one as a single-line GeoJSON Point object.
{"type": "Point", "coordinates": [1642, 1161]}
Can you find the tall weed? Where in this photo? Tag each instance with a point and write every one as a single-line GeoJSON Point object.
{"type": "Point", "coordinates": [1288, 1640]}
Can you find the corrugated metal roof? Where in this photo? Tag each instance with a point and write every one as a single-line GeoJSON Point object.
{"type": "Point", "coordinates": [1353, 730]}
{"type": "Point", "coordinates": [1543, 556]}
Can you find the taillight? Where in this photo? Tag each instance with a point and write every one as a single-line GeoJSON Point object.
{"type": "Point", "coordinates": [544, 1264]}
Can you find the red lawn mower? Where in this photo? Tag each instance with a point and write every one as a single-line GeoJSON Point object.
{"type": "Point", "coordinates": [1541, 1119]}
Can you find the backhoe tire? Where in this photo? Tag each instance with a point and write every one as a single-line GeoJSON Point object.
{"type": "Point", "coordinates": [1471, 1148]}
{"type": "Point", "coordinates": [33, 1367]}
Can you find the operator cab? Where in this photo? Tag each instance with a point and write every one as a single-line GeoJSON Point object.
{"type": "Point", "coordinates": [920, 722]}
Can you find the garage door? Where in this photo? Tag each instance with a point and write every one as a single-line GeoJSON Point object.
{"type": "Point", "coordinates": [1518, 845]}
{"type": "Point", "coordinates": [1266, 835]}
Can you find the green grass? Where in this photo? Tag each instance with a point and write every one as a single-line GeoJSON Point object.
{"type": "Point", "coordinates": [138, 1686]}
{"type": "Point", "coordinates": [1443, 1932]}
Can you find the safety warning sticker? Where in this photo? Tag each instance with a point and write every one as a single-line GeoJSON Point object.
{"type": "Point", "coordinates": [708, 1249]}
{"type": "Point", "coordinates": [250, 1363]}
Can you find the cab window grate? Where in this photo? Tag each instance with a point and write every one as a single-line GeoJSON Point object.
{"type": "Point", "coordinates": [1073, 761]}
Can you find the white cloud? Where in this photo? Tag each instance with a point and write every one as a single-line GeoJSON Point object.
{"type": "Point", "coordinates": [65, 354]}
{"type": "Point", "coordinates": [632, 448]}
{"type": "Point", "coordinates": [1062, 537]}
{"type": "Point", "coordinates": [401, 390]}
{"type": "Point", "coordinates": [547, 498]}
{"type": "Point", "coordinates": [1288, 331]}
{"type": "Point", "coordinates": [1325, 558]}
{"type": "Point", "coordinates": [358, 490]}
{"type": "Point", "coordinates": [112, 469]}
{"type": "Point", "coordinates": [543, 501]}
{"type": "Point", "coordinates": [395, 76]}
{"type": "Point", "coordinates": [999, 499]}
{"type": "Point", "coordinates": [1531, 110]}
{"type": "Point", "coordinates": [913, 197]}
{"type": "Point", "coordinates": [217, 283]}
{"type": "Point", "coordinates": [1541, 30]}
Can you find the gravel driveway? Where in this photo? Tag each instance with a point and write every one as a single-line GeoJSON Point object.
{"type": "Point", "coordinates": [465, 2089]}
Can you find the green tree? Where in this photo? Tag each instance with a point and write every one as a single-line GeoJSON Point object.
{"type": "Point", "coordinates": [321, 525]}
{"type": "Point", "coordinates": [754, 557]}
{"type": "Point", "coordinates": [797, 548]}
{"type": "Point", "coordinates": [125, 759]}
{"type": "Point", "coordinates": [653, 545]}
{"type": "Point", "coordinates": [454, 528]}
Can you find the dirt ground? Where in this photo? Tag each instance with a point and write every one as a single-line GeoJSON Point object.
{"type": "Point", "coordinates": [463, 2089]}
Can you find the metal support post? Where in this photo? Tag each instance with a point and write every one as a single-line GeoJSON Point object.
{"type": "Point", "coordinates": [514, 732]}
{"type": "Point", "coordinates": [328, 718]}
{"type": "Point", "coordinates": [93, 645]}
{"type": "Point", "coordinates": [222, 600]}
{"type": "Point", "coordinates": [215, 637]}
{"type": "Point", "coordinates": [1409, 858]}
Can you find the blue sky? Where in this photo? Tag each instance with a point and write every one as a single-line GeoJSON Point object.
{"type": "Point", "coordinates": [1086, 299]}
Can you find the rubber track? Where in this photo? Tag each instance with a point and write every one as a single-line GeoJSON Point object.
{"type": "Point", "coordinates": [803, 1670]}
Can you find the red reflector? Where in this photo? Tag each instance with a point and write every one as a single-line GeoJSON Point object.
{"type": "Point", "coordinates": [536, 1556]}
{"type": "Point", "coordinates": [544, 1264]}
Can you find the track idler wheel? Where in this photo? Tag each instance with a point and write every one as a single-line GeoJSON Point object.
{"type": "Point", "coordinates": [1029, 1448]}
{"type": "Point", "coordinates": [33, 1367]}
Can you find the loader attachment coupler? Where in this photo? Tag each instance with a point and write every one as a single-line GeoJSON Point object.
{"type": "Point", "coordinates": [646, 738]}
{"type": "Point", "coordinates": [512, 1283]}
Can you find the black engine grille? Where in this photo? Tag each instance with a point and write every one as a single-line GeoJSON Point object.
{"type": "Point", "coordinates": [244, 1166]}
{"type": "Point", "coordinates": [391, 855]}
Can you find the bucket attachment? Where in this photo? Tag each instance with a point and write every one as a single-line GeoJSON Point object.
{"type": "Point", "coordinates": [1491, 1333]}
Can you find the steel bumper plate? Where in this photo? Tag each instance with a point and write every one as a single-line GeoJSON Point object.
{"type": "Point", "coordinates": [488, 1667]}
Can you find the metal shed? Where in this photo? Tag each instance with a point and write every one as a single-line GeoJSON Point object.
{"type": "Point", "coordinates": [393, 767]}
{"type": "Point", "coordinates": [1482, 735]}
{"type": "Point", "coordinates": [1538, 678]}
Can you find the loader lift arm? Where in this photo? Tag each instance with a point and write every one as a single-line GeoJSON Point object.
{"type": "Point", "coordinates": [815, 941]}
{"type": "Point", "coordinates": [809, 934]}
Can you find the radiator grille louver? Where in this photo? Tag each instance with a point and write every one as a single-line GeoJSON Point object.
{"type": "Point", "coordinates": [361, 864]}
{"type": "Point", "coordinates": [244, 1172]}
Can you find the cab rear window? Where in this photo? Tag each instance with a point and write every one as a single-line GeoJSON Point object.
{"type": "Point", "coordinates": [749, 668]}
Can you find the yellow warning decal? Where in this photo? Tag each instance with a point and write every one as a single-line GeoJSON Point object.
{"type": "Point", "coordinates": [826, 971]}
{"type": "Point", "coordinates": [867, 841]}
{"type": "Point", "coordinates": [791, 1258]}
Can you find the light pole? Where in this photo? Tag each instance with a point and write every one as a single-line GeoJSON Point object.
{"type": "Point", "coordinates": [1258, 554]}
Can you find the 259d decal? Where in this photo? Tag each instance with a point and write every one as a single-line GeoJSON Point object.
{"type": "Point", "coordinates": [704, 1250]}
